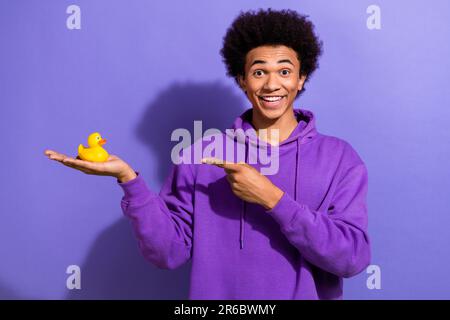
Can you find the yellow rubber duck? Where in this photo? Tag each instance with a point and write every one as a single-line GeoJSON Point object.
{"type": "Point", "coordinates": [95, 152]}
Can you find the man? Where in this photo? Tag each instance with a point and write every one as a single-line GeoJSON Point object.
{"type": "Point", "coordinates": [294, 234]}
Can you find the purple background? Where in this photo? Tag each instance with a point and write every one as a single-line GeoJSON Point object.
{"type": "Point", "coordinates": [139, 69]}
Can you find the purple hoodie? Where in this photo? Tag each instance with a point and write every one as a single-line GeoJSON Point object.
{"type": "Point", "coordinates": [301, 249]}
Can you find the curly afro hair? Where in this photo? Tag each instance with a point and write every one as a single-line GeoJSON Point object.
{"type": "Point", "coordinates": [252, 29]}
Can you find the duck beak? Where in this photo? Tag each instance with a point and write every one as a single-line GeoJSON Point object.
{"type": "Point", "coordinates": [102, 142]}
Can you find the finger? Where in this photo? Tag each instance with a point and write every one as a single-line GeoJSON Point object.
{"type": "Point", "coordinates": [229, 171]}
{"type": "Point", "coordinates": [230, 178]}
{"type": "Point", "coordinates": [236, 187]}
{"type": "Point", "coordinates": [227, 165]}
{"type": "Point", "coordinates": [56, 156]}
{"type": "Point", "coordinates": [213, 161]}
{"type": "Point", "coordinates": [49, 152]}
{"type": "Point", "coordinates": [231, 167]}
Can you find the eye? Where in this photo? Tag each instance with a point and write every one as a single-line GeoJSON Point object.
{"type": "Point", "coordinates": [285, 72]}
{"type": "Point", "coordinates": [258, 73]}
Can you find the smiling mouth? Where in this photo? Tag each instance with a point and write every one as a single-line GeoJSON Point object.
{"type": "Point", "coordinates": [271, 98]}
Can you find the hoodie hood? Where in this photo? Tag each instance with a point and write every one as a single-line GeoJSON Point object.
{"type": "Point", "coordinates": [305, 130]}
{"type": "Point", "coordinates": [303, 133]}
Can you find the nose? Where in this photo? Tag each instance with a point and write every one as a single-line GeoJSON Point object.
{"type": "Point", "coordinates": [272, 83]}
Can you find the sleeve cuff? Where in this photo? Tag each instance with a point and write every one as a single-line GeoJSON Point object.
{"type": "Point", "coordinates": [285, 210]}
{"type": "Point", "coordinates": [135, 188]}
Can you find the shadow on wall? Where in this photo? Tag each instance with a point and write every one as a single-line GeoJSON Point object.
{"type": "Point", "coordinates": [6, 293]}
{"type": "Point", "coordinates": [114, 268]}
{"type": "Point", "coordinates": [215, 104]}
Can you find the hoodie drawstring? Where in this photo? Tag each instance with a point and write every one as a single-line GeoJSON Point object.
{"type": "Point", "coordinates": [306, 130]}
{"type": "Point", "coordinates": [241, 240]}
{"type": "Point", "coordinates": [296, 189]}
{"type": "Point", "coordinates": [244, 204]}
{"type": "Point", "coordinates": [296, 169]}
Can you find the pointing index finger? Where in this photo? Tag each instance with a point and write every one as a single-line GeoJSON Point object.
{"type": "Point", "coordinates": [227, 165]}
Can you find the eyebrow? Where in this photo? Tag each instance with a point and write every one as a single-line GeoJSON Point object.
{"type": "Point", "coordinates": [263, 62]}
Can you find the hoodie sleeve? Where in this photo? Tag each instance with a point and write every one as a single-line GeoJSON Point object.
{"type": "Point", "coordinates": [162, 223]}
{"type": "Point", "coordinates": [335, 241]}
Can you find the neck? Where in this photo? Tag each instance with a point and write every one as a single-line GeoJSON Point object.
{"type": "Point", "coordinates": [284, 124]}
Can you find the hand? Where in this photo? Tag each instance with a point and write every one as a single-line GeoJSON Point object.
{"type": "Point", "coordinates": [248, 183]}
{"type": "Point", "coordinates": [114, 166]}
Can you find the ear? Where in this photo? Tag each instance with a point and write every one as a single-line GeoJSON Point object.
{"type": "Point", "coordinates": [241, 81]}
{"type": "Point", "coordinates": [301, 81]}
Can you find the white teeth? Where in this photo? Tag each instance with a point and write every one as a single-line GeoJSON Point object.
{"type": "Point", "coordinates": [272, 98]}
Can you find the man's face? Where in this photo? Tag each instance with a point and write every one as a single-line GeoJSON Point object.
{"type": "Point", "coordinates": [272, 80]}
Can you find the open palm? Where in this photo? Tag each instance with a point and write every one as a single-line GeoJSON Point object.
{"type": "Point", "coordinates": [114, 166]}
